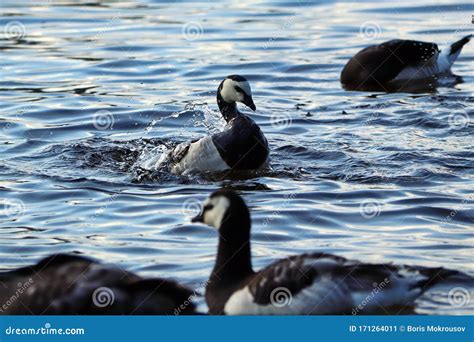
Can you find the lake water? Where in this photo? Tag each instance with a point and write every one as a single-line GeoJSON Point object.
{"type": "Point", "coordinates": [91, 92]}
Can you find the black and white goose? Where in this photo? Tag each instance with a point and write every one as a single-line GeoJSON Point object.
{"type": "Point", "coordinates": [66, 284]}
{"type": "Point", "coordinates": [398, 64]}
{"type": "Point", "coordinates": [316, 283]}
{"type": "Point", "coordinates": [241, 146]}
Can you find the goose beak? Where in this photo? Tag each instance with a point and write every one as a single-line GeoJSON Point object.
{"type": "Point", "coordinates": [198, 218]}
{"type": "Point", "coordinates": [248, 101]}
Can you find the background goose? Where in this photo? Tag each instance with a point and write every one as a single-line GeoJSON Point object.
{"type": "Point", "coordinates": [395, 64]}
{"type": "Point", "coordinates": [316, 283]}
{"type": "Point", "coordinates": [241, 146]}
{"type": "Point", "coordinates": [67, 284]}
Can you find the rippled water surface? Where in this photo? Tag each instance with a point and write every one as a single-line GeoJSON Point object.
{"type": "Point", "coordinates": [91, 93]}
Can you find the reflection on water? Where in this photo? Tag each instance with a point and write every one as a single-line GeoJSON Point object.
{"type": "Point", "coordinates": [92, 93]}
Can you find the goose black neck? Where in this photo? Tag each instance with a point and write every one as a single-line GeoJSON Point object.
{"type": "Point", "coordinates": [227, 109]}
{"type": "Point", "coordinates": [233, 255]}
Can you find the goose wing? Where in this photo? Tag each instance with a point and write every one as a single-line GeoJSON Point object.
{"type": "Point", "coordinates": [242, 146]}
{"type": "Point", "coordinates": [321, 283]}
{"type": "Point", "coordinates": [303, 284]}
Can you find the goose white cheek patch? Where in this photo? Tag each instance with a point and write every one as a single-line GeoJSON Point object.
{"type": "Point", "coordinates": [214, 216]}
{"type": "Point", "coordinates": [229, 93]}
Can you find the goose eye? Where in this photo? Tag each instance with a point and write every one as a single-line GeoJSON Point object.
{"type": "Point", "coordinates": [207, 207]}
{"type": "Point", "coordinates": [238, 89]}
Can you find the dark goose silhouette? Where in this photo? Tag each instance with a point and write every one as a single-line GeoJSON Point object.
{"type": "Point", "coordinates": [399, 64]}
{"type": "Point", "coordinates": [313, 283]}
{"type": "Point", "coordinates": [66, 284]}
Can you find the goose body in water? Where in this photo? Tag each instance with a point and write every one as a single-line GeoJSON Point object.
{"type": "Point", "coordinates": [315, 283]}
{"type": "Point", "coordinates": [66, 284]}
{"type": "Point", "coordinates": [241, 146]}
{"type": "Point", "coordinates": [399, 64]}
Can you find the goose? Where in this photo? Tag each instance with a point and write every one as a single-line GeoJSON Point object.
{"type": "Point", "coordinates": [311, 283]}
{"type": "Point", "coordinates": [241, 146]}
{"type": "Point", "coordinates": [398, 63]}
{"type": "Point", "coordinates": [66, 284]}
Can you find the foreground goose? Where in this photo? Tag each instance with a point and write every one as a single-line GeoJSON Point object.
{"type": "Point", "coordinates": [241, 146]}
{"type": "Point", "coordinates": [65, 284]}
{"type": "Point", "coordinates": [398, 64]}
{"type": "Point", "coordinates": [316, 283]}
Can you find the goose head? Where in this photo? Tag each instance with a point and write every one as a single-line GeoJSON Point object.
{"type": "Point", "coordinates": [233, 89]}
{"type": "Point", "coordinates": [224, 210]}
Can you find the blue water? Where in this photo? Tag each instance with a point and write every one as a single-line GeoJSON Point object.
{"type": "Point", "coordinates": [90, 93]}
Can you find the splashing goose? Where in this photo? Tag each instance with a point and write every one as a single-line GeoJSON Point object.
{"type": "Point", "coordinates": [397, 64]}
{"type": "Point", "coordinates": [66, 284]}
{"type": "Point", "coordinates": [241, 146]}
{"type": "Point", "coordinates": [316, 283]}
